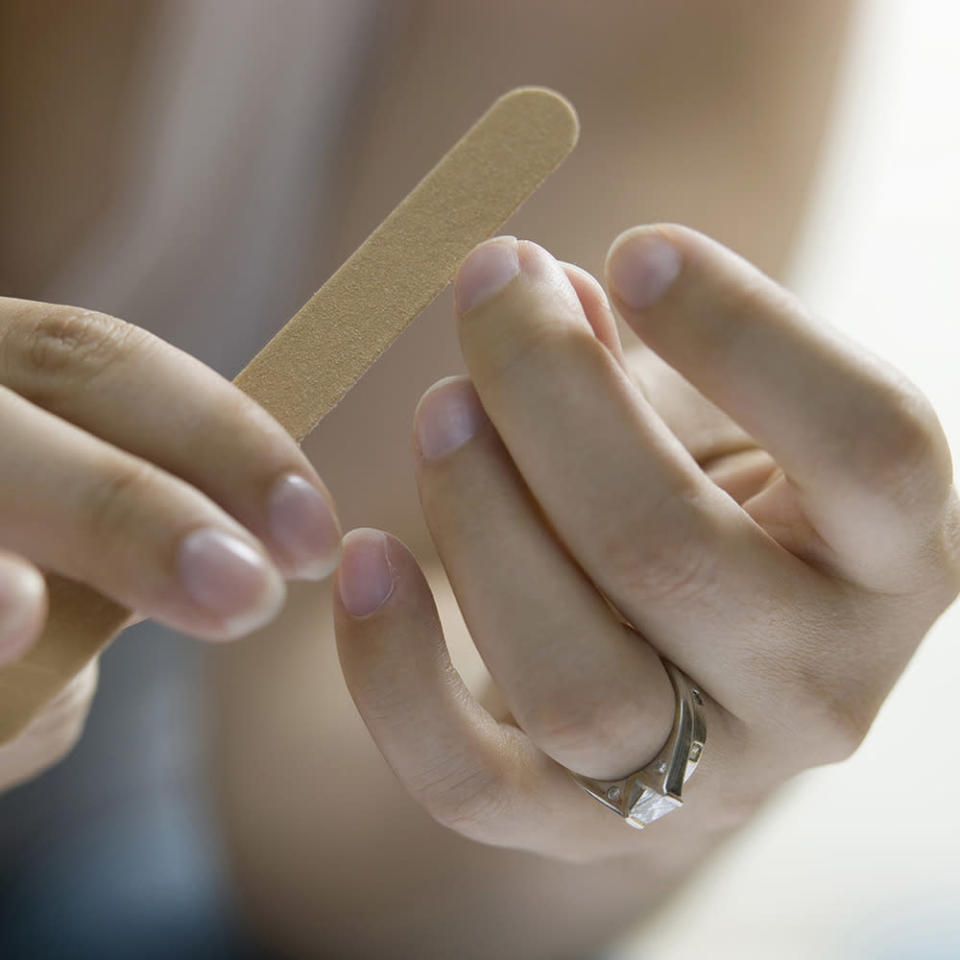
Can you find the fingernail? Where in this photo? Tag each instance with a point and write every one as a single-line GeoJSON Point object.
{"type": "Point", "coordinates": [21, 596]}
{"type": "Point", "coordinates": [641, 267]}
{"type": "Point", "coordinates": [488, 269]}
{"type": "Point", "coordinates": [304, 526]}
{"type": "Point", "coordinates": [230, 579]}
{"type": "Point", "coordinates": [448, 415]}
{"type": "Point", "coordinates": [366, 577]}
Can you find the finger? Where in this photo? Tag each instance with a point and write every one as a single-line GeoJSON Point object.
{"type": "Point", "coordinates": [23, 606]}
{"type": "Point", "coordinates": [596, 309]}
{"type": "Point", "coordinates": [76, 506]}
{"type": "Point", "coordinates": [454, 758]}
{"type": "Point", "coordinates": [742, 473]}
{"type": "Point", "coordinates": [588, 690]}
{"type": "Point", "coordinates": [724, 451]}
{"type": "Point", "coordinates": [861, 446]}
{"type": "Point", "coordinates": [701, 426]}
{"type": "Point", "coordinates": [483, 779]}
{"type": "Point", "coordinates": [143, 395]}
{"type": "Point", "coordinates": [678, 558]}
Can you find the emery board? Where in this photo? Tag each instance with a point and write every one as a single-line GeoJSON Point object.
{"type": "Point", "coordinates": [311, 363]}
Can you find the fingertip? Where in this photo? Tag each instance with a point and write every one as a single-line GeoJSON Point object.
{"type": "Point", "coordinates": [596, 308]}
{"type": "Point", "coordinates": [488, 268]}
{"type": "Point", "coordinates": [384, 608]}
{"type": "Point", "coordinates": [232, 584]}
{"type": "Point", "coordinates": [387, 626]}
{"type": "Point", "coordinates": [366, 577]}
{"type": "Point", "coordinates": [449, 414]}
{"type": "Point", "coordinates": [641, 266]}
{"type": "Point", "coordinates": [23, 607]}
{"type": "Point", "coordinates": [303, 523]}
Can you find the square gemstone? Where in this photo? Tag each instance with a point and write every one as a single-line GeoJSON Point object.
{"type": "Point", "coordinates": [652, 806]}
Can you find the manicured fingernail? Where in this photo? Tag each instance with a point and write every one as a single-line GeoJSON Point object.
{"type": "Point", "coordinates": [304, 526]}
{"type": "Point", "coordinates": [448, 415]}
{"type": "Point", "coordinates": [488, 269]}
{"type": "Point", "coordinates": [231, 579]}
{"type": "Point", "coordinates": [366, 577]}
{"type": "Point", "coordinates": [21, 596]}
{"type": "Point", "coordinates": [641, 267]}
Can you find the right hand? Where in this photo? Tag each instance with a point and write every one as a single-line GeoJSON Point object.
{"type": "Point", "coordinates": [130, 466]}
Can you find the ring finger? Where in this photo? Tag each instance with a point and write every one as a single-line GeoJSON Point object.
{"type": "Point", "coordinates": [589, 691]}
{"type": "Point", "coordinates": [483, 779]}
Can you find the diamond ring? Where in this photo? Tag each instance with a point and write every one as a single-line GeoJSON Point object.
{"type": "Point", "coordinates": [654, 790]}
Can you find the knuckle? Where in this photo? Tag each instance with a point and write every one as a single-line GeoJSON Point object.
{"type": "Point", "coordinates": [655, 567]}
{"type": "Point", "coordinates": [63, 342]}
{"type": "Point", "coordinates": [549, 348]}
{"type": "Point", "coordinates": [827, 719]}
{"type": "Point", "coordinates": [461, 799]}
{"type": "Point", "coordinates": [383, 702]}
{"type": "Point", "coordinates": [116, 498]}
{"type": "Point", "coordinates": [837, 725]}
{"type": "Point", "coordinates": [903, 456]}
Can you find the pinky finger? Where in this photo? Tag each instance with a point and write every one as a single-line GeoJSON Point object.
{"type": "Point", "coordinates": [481, 778]}
{"type": "Point", "coordinates": [23, 606]}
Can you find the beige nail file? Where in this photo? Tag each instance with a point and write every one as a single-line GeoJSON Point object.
{"type": "Point", "coordinates": [306, 369]}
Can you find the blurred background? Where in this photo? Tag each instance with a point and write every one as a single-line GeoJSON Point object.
{"type": "Point", "coordinates": [197, 167]}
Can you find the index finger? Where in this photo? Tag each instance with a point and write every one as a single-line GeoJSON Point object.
{"type": "Point", "coordinates": [141, 394]}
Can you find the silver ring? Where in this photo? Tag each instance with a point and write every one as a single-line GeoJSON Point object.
{"type": "Point", "coordinates": [654, 791]}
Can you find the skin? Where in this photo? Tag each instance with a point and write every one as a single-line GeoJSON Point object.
{"type": "Point", "coordinates": [838, 532]}
{"type": "Point", "coordinates": [92, 496]}
{"type": "Point", "coordinates": [814, 552]}
{"type": "Point", "coordinates": [663, 539]}
{"type": "Point", "coordinates": [710, 113]}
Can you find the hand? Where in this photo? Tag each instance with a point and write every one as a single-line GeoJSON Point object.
{"type": "Point", "coordinates": [788, 553]}
{"type": "Point", "coordinates": [132, 467]}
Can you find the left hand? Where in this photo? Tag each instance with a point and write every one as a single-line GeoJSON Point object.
{"type": "Point", "coordinates": [788, 553]}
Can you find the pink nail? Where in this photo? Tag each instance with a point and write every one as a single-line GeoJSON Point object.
{"type": "Point", "coordinates": [366, 577]}
{"type": "Point", "coordinates": [230, 579]}
{"type": "Point", "coordinates": [448, 415]}
{"type": "Point", "coordinates": [490, 267]}
{"type": "Point", "coordinates": [304, 526]}
{"type": "Point", "coordinates": [641, 267]}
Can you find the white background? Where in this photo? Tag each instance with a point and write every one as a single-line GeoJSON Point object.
{"type": "Point", "coordinates": [862, 861]}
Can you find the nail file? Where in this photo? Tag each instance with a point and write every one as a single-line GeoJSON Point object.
{"type": "Point", "coordinates": [311, 363]}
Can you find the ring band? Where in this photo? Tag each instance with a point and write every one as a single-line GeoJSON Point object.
{"type": "Point", "coordinates": [654, 790]}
